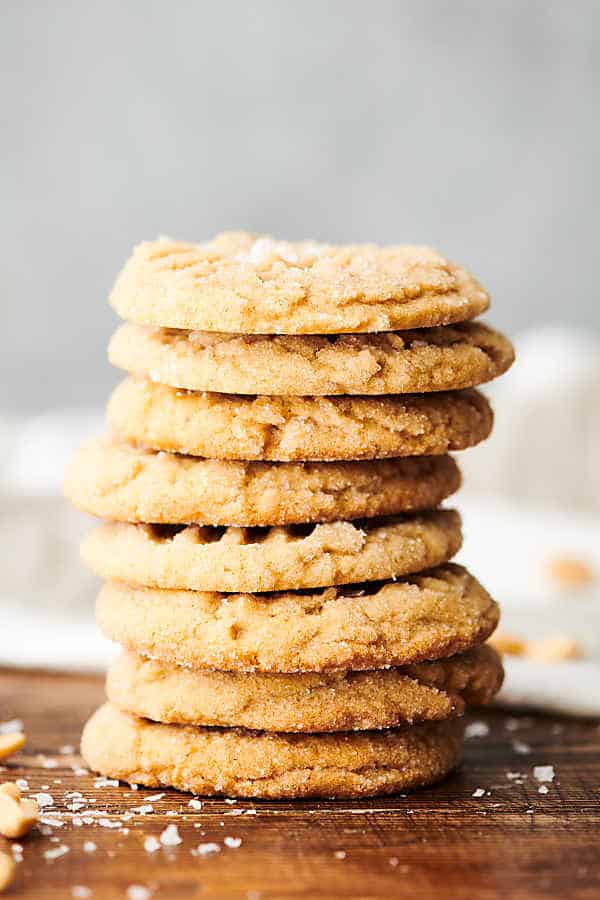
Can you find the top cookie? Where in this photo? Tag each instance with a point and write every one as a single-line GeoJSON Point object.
{"type": "Point", "coordinates": [255, 285]}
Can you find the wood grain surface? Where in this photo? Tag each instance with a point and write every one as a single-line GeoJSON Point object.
{"type": "Point", "coordinates": [447, 842]}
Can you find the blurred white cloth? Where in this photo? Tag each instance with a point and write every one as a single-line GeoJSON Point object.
{"type": "Point", "coordinates": [545, 447]}
{"type": "Point", "coordinates": [545, 503]}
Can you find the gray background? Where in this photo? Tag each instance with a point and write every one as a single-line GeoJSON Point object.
{"type": "Point", "coordinates": [471, 126]}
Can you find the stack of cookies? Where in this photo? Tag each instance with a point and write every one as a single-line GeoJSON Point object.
{"type": "Point", "coordinates": [276, 557]}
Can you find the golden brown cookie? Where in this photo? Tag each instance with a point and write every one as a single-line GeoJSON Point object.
{"type": "Point", "coordinates": [196, 558]}
{"type": "Point", "coordinates": [428, 616]}
{"type": "Point", "coordinates": [337, 701]}
{"type": "Point", "coordinates": [125, 484]}
{"type": "Point", "coordinates": [254, 285]}
{"type": "Point", "coordinates": [224, 426]}
{"type": "Point", "coordinates": [239, 763]}
{"type": "Point", "coordinates": [403, 362]}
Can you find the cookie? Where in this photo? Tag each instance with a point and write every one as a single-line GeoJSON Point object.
{"type": "Point", "coordinates": [339, 701]}
{"type": "Point", "coordinates": [371, 626]}
{"type": "Point", "coordinates": [239, 763]}
{"type": "Point", "coordinates": [195, 558]}
{"type": "Point", "coordinates": [126, 484]}
{"type": "Point", "coordinates": [254, 285]}
{"type": "Point", "coordinates": [225, 426]}
{"type": "Point", "coordinates": [403, 362]}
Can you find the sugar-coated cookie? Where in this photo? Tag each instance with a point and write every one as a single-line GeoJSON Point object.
{"type": "Point", "coordinates": [394, 623]}
{"type": "Point", "coordinates": [402, 362]}
{"type": "Point", "coordinates": [238, 763]}
{"type": "Point", "coordinates": [225, 426]}
{"type": "Point", "coordinates": [196, 558]}
{"type": "Point", "coordinates": [127, 484]}
{"type": "Point", "coordinates": [336, 701]}
{"type": "Point", "coordinates": [239, 282]}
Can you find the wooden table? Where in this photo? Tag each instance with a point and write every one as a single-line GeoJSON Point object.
{"type": "Point", "coordinates": [447, 842]}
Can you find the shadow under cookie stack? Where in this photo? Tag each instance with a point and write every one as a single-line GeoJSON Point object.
{"type": "Point", "coordinates": [276, 558]}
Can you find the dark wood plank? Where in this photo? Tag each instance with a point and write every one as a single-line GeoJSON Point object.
{"type": "Point", "coordinates": [513, 842]}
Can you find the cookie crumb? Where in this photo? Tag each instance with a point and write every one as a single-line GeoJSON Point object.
{"type": "Point", "coordinates": [89, 847]}
{"type": "Point", "coordinates": [478, 792]}
{"type": "Point", "coordinates": [80, 892]}
{"type": "Point", "coordinates": [340, 854]}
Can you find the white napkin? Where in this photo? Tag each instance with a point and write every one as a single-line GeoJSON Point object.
{"type": "Point", "coordinates": [508, 548]}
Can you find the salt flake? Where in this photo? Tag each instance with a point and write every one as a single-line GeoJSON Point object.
{"type": "Point", "coordinates": [151, 845]}
{"type": "Point", "coordinates": [207, 849]}
{"type": "Point", "coordinates": [476, 730]}
{"type": "Point", "coordinates": [543, 773]}
{"type": "Point", "coordinates": [56, 852]}
{"type": "Point", "coordinates": [138, 892]}
{"type": "Point", "coordinates": [170, 836]}
{"type": "Point", "coordinates": [521, 747]}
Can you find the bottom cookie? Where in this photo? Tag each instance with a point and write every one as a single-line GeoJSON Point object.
{"type": "Point", "coordinates": [239, 763]}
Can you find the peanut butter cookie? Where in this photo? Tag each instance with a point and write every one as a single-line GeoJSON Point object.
{"type": "Point", "coordinates": [238, 763]}
{"type": "Point", "coordinates": [336, 701]}
{"type": "Point", "coordinates": [126, 484]}
{"type": "Point", "coordinates": [223, 426]}
{"type": "Point", "coordinates": [419, 617]}
{"type": "Point", "coordinates": [403, 362]}
{"type": "Point", "coordinates": [255, 285]}
{"type": "Point", "coordinates": [191, 557]}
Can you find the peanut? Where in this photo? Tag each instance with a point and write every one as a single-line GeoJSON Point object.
{"type": "Point", "coordinates": [7, 870]}
{"type": "Point", "coordinates": [554, 649]}
{"type": "Point", "coordinates": [508, 643]}
{"type": "Point", "coordinates": [17, 816]}
{"type": "Point", "coordinates": [570, 572]}
{"type": "Point", "coordinates": [11, 743]}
